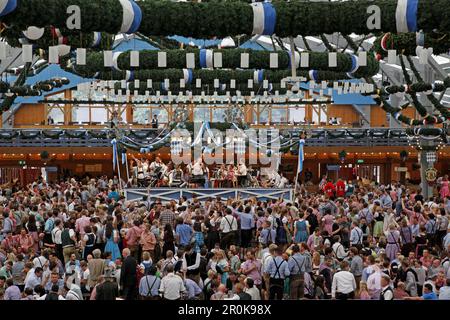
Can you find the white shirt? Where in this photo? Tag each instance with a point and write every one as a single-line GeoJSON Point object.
{"type": "Point", "coordinates": [339, 250]}
{"type": "Point", "coordinates": [228, 221]}
{"type": "Point", "coordinates": [343, 282]}
{"type": "Point", "coordinates": [374, 281]}
{"type": "Point", "coordinates": [40, 262]}
{"type": "Point", "coordinates": [197, 169]}
{"type": "Point", "coordinates": [171, 286]}
{"type": "Point", "coordinates": [60, 297]}
{"type": "Point", "coordinates": [388, 295]}
{"type": "Point", "coordinates": [254, 293]}
{"type": "Point", "coordinates": [242, 170]}
{"type": "Point", "coordinates": [56, 235]}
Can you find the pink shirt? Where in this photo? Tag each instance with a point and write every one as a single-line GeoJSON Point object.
{"type": "Point", "coordinates": [81, 223]}
{"type": "Point", "coordinates": [133, 236]}
{"type": "Point", "coordinates": [255, 274]}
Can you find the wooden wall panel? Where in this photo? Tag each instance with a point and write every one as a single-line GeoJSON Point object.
{"type": "Point", "coordinates": [378, 117]}
{"type": "Point", "coordinates": [30, 114]}
{"type": "Point", "coordinates": [347, 113]}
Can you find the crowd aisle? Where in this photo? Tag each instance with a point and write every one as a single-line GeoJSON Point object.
{"type": "Point", "coordinates": [81, 240]}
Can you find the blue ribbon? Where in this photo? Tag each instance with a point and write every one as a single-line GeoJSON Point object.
{"type": "Point", "coordinates": [300, 155]}
{"type": "Point", "coordinates": [190, 76]}
{"type": "Point", "coordinates": [124, 157]}
{"type": "Point", "coordinates": [202, 58]}
{"type": "Point", "coordinates": [10, 7]}
{"type": "Point", "coordinates": [411, 15]}
{"type": "Point", "coordinates": [97, 39]}
{"type": "Point", "coordinates": [130, 76]}
{"type": "Point", "coordinates": [260, 76]}
{"type": "Point", "coordinates": [270, 19]}
{"type": "Point", "coordinates": [163, 86]}
{"type": "Point", "coordinates": [114, 159]}
{"type": "Point", "coordinates": [313, 74]}
{"type": "Point", "coordinates": [354, 63]}
{"type": "Point", "coordinates": [137, 19]}
{"type": "Point", "coordinates": [420, 38]}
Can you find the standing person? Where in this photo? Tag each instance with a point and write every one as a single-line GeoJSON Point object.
{"type": "Point", "coordinates": [247, 225]}
{"type": "Point", "coordinates": [183, 232]}
{"type": "Point", "coordinates": [344, 284]}
{"type": "Point", "coordinates": [393, 242]}
{"type": "Point", "coordinates": [407, 238]}
{"type": "Point", "coordinates": [356, 265]}
{"type": "Point", "coordinates": [148, 241]}
{"type": "Point", "coordinates": [252, 268]}
{"type": "Point", "coordinates": [356, 236]}
{"type": "Point", "coordinates": [149, 285]}
{"type": "Point", "coordinates": [68, 241]}
{"type": "Point", "coordinates": [411, 279]}
{"type": "Point", "coordinates": [155, 121]}
{"type": "Point", "coordinates": [445, 190]}
{"type": "Point", "coordinates": [296, 264]}
{"type": "Point", "coordinates": [56, 237]}
{"type": "Point", "coordinates": [172, 285]}
{"type": "Point", "coordinates": [112, 240]}
{"type": "Point", "coordinates": [301, 229]}
{"type": "Point", "coordinates": [277, 269]}
{"type": "Point", "coordinates": [133, 238]}
{"type": "Point", "coordinates": [386, 290]}
{"type": "Point", "coordinates": [229, 227]}
{"type": "Point", "coordinates": [96, 267]}
{"type": "Point", "coordinates": [128, 275]}
{"type": "Point", "coordinates": [168, 239]}
{"type": "Point", "coordinates": [88, 240]}
{"type": "Point", "coordinates": [107, 290]}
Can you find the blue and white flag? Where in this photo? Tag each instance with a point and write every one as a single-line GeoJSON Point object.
{"type": "Point", "coordinates": [301, 155]}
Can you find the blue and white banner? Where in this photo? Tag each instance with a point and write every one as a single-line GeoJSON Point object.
{"type": "Point", "coordinates": [264, 18]}
{"type": "Point", "coordinates": [124, 157]}
{"type": "Point", "coordinates": [188, 76]}
{"type": "Point", "coordinates": [406, 15]}
{"type": "Point", "coordinates": [132, 16]}
{"type": "Point", "coordinates": [258, 76]}
{"type": "Point", "coordinates": [206, 58]}
{"type": "Point", "coordinates": [97, 39]}
{"type": "Point", "coordinates": [301, 155]}
{"type": "Point", "coordinates": [7, 6]}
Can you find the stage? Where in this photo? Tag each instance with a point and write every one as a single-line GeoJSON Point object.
{"type": "Point", "coordinates": [169, 194]}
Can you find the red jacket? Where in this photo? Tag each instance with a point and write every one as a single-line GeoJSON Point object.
{"type": "Point", "coordinates": [340, 188]}
{"type": "Point", "coordinates": [329, 189]}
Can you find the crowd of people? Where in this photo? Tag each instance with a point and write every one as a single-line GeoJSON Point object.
{"type": "Point", "coordinates": [82, 240]}
{"type": "Point", "coordinates": [145, 173]}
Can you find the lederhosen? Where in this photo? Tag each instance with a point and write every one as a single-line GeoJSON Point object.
{"type": "Point", "coordinates": [300, 274]}
{"type": "Point", "coordinates": [407, 246]}
{"type": "Point", "coordinates": [229, 237]}
{"type": "Point", "coordinates": [276, 282]}
{"type": "Point", "coordinates": [359, 242]}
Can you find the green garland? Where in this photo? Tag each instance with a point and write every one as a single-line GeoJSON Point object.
{"type": "Point", "coordinates": [442, 109]}
{"type": "Point", "coordinates": [75, 39]}
{"type": "Point", "coordinates": [208, 76]}
{"type": "Point", "coordinates": [227, 18]}
{"type": "Point", "coordinates": [20, 81]}
{"type": "Point", "coordinates": [231, 59]}
{"type": "Point", "coordinates": [406, 43]}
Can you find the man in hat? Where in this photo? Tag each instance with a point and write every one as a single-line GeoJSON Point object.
{"type": "Point", "coordinates": [108, 289]}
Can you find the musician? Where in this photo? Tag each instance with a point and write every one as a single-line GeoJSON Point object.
{"type": "Point", "coordinates": [157, 165]}
{"type": "Point", "coordinates": [155, 121]}
{"type": "Point", "coordinates": [175, 177]}
{"type": "Point", "coordinates": [198, 172]}
{"type": "Point", "coordinates": [242, 173]}
{"type": "Point", "coordinates": [231, 176]}
{"type": "Point", "coordinates": [221, 175]}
